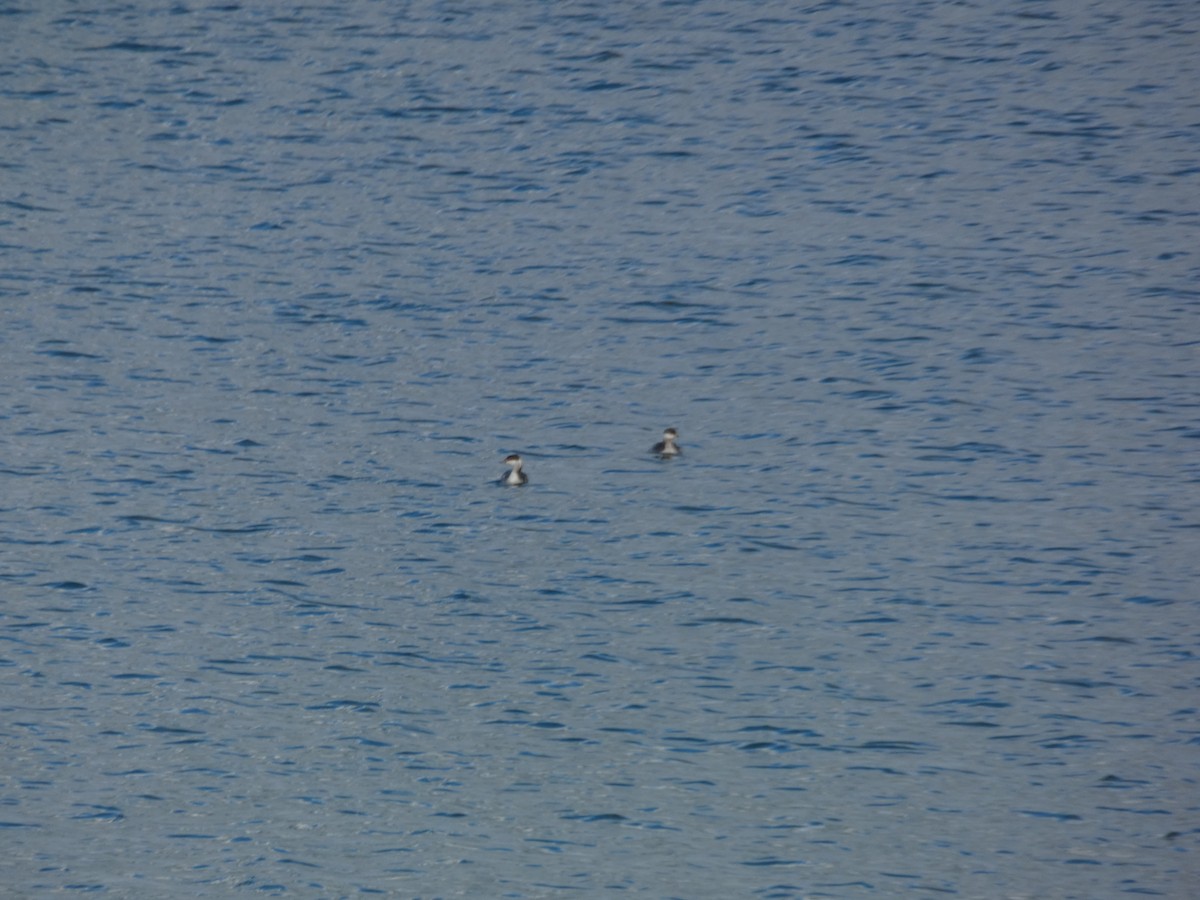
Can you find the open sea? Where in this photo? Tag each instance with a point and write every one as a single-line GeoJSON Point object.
{"type": "Point", "coordinates": [915, 614]}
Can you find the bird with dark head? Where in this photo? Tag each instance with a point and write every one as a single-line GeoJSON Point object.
{"type": "Point", "coordinates": [514, 476]}
{"type": "Point", "coordinates": [667, 446]}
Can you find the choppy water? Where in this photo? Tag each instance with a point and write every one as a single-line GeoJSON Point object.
{"type": "Point", "coordinates": [914, 614]}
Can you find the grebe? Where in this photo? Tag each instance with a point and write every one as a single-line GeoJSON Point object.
{"type": "Point", "coordinates": [667, 446]}
{"type": "Point", "coordinates": [516, 476]}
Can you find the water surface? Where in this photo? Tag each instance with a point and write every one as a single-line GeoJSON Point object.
{"type": "Point", "coordinates": [915, 611]}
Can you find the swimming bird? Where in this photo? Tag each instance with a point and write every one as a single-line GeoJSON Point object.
{"type": "Point", "coordinates": [667, 446]}
{"type": "Point", "coordinates": [515, 477]}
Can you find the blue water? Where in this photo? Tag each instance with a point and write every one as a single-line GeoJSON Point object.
{"type": "Point", "coordinates": [916, 611]}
